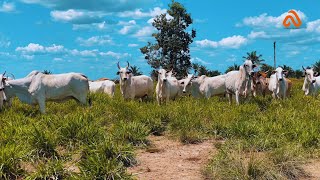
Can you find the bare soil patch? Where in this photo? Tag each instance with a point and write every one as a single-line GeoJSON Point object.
{"type": "Point", "coordinates": [312, 169]}
{"type": "Point", "coordinates": [170, 159]}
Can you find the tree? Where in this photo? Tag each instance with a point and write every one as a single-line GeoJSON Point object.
{"type": "Point", "coordinates": [171, 49]}
{"type": "Point", "coordinates": [316, 66]}
{"type": "Point", "coordinates": [291, 73]}
{"type": "Point", "coordinates": [256, 59]}
{"type": "Point", "coordinates": [202, 70]}
{"type": "Point", "coordinates": [135, 70]}
{"type": "Point", "coordinates": [266, 67]}
{"type": "Point", "coordinates": [298, 73]}
{"type": "Point", "coordinates": [46, 72]}
{"type": "Point", "coordinates": [232, 68]}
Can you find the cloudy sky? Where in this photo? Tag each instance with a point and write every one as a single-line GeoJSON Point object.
{"type": "Point", "coordinates": [91, 36]}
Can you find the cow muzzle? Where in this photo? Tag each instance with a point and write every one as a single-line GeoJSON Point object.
{"type": "Point", "coordinates": [280, 79]}
{"type": "Point", "coordinates": [184, 91]}
{"type": "Point", "coordinates": [258, 82]}
{"type": "Point", "coordinates": [164, 80]}
{"type": "Point", "coordinates": [125, 79]}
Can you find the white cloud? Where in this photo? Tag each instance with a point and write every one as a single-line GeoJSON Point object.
{"type": "Point", "coordinates": [96, 5]}
{"type": "Point", "coordinates": [4, 42]}
{"type": "Point", "coordinates": [264, 20]}
{"type": "Point", "coordinates": [94, 26]}
{"type": "Point", "coordinates": [136, 14]}
{"type": "Point", "coordinates": [257, 34]}
{"type": "Point", "coordinates": [199, 60]}
{"type": "Point", "coordinates": [133, 45]}
{"type": "Point", "coordinates": [145, 31]}
{"type": "Point", "coordinates": [33, 48]}
{"type": "Point", "coordinates": [7, 7]}
{"type": "Point", "coordinates": [229, 42]}
{"type": "Point", "coordinates": [124, 23]}
{"type": "Point", "coordinates": [115, 55]}
{"type": "Point", "coordinates": [207, 43]}
{"type": "Point", "coordinates": [77, 16]}
{"type": "Point", "coordinates": [95, 41]}
{"type": "Point", "coordinates": [126, 29]}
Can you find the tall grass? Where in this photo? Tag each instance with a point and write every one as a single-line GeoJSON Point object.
{"type": "Point", "coordinates": [106, 134]}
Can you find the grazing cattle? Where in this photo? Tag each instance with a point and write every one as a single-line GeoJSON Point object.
{"type": "Point", "coordinates": [134, 86]}
{"type": "Point", "coordinates": [2, 83]}
{"type": "Point", "coordinates": [204, 86]}
{"type": "Point", "coordinates": [167, 87]}
{"type": "Point", "coordinates": [239, 82]}
{"type": "Point", "coordinates": [260, 84]}
{"type": "Point", "coordinates": [106, 86]}
{"type": "Point", "coordinates": [278, 84]}
{"type": "Point", "coordinates": [37, 87]}
{"type": "Point", "coordinates": [311, 84]}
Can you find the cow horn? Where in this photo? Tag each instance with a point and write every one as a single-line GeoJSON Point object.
{"type": "Point", "coordinates": [118, 65]}
{"type": "Point", "coordinates": [4, 73]}
{"type": "Point", "coordinates": [128, 64]}
{"type": "Point", "coordinates": [303, 68]}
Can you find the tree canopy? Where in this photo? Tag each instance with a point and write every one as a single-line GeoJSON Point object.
{"type": "Point", "coordinates": [172, 40]}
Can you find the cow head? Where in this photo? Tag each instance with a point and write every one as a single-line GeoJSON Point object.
{"type": "Point", "coordinates": [3, 81]}
{"type": "Point", "coordinates": [2, 85]}
{"type": "Point", "coordinates": [186, 83]}
{"type": "Point", "coordinates": [125, 73]}
{"type": "Point", "coordinates": [248, 67]}
{"type": "Point", "coordinates": [280, 73]}
{"type": "Point", "coordinates": [309, 75]}
{"type": "Point", "coordinates": [163, 75]}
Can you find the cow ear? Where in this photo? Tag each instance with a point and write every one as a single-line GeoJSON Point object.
{"type": "Point", "coordinates": [118, 73]}
{"type": "Point", "coordinates": [259, 74]}
{"type": "Point", "coordinates": [316, 74]}
{"type": "Point", "coordinates": [285, 72]}
{"type": "Point", "coordinates": [254, 66]}
{"type": "Point", "coordinates": [273, 72]}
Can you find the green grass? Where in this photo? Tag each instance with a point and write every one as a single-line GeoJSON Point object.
{"type": "Point", "coordinates": [264, 138]}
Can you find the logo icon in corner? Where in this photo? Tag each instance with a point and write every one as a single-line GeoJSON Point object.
{"type": "Point", "coordinates": [292, 17]}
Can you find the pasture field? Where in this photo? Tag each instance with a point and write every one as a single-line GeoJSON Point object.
{"type": "Point", "coordinates": [260, 139]}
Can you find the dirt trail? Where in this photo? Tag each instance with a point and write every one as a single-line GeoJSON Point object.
{"type": "Point", "coordinates": [169, 159]}
{"type": "Point", "coordinates": [312, 169]}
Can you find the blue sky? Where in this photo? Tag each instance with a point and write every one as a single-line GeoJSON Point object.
{"type": "Point", "coordinates": [91, 36]}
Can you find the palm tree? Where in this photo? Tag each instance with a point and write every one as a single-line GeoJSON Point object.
{"type": "Point", "coordinates": [232, 68]}
{"type": "Point", "coordinates": [256, 59]}
{"type": "Point", "coordinates": [135, 70]}
{"type": "Point", "coordinates": [291, 73]}
{"type": "Point", "coordinates": [298, 73]}
{"type": "Point", "coordinates": [316, 66]}
{"type": "Point", "coordinates": [46, 72]}
{"type": "Point", "coordinates": [266, 67]}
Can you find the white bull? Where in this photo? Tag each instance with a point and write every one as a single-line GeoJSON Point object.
{"type": "Point", "coordinates": [134, 86]}
{"type": "Point", "coordinates": [311, 84]}
{"type": "Point", "coordinates": [239, 82]}
{"type": "Point", "coordinates": [37, 88]}
{"type": "Point", "coordinates": [167, 87]}
{"type": "Point", "coordinates": [278, 84]}
{"type": "Point", "coordinates": [106, 86]}
{"type": "Point", "coordinates": [204, 86]}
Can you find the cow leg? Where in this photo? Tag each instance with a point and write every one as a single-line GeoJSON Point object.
{"type": "Point", "coordinates": [230, 98]}
{"type": "Point", "coordinates": [237, 97]}
{"type": "Point", "coordinates": [42, 105]}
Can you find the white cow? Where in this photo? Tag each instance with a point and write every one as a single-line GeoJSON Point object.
{"type": "Point", "coordinates": [167, 87]}
{"type": "Point", "coordinates": [239, 82]}
{"type": "Point", "coordinates": [278, 84]}
{"type": "Point", "coordinates": [311, 84]}
{"type": "Point", "coordinates": [204, 86]}
{"type": "Point", "coordinates": [37, 88]}
{"type": "Point", "coordinates": [2, 83]}
{"type": "Point", "coordinates": [134, 86]}
{"type": "Point", "coordinates": [105, 86]}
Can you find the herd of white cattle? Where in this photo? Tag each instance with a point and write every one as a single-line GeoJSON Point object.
{"type": "Point", "coordinates": [37, 88]}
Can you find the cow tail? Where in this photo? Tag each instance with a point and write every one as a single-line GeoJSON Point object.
{"type": "Point", "coordinates": [89, 99]}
